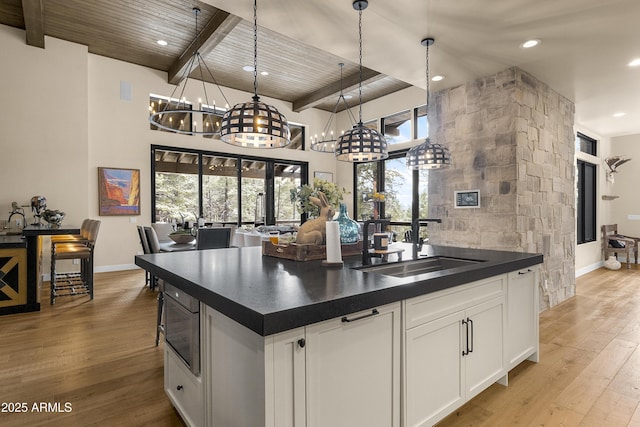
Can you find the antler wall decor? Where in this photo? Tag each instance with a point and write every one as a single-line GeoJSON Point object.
{"type": "Point", "coordinates": [613, 163]}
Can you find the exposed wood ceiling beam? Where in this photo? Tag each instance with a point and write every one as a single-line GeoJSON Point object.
{"type": "Point", "coordinates": [218, 27]}
{"type": "Point", "coordinates": [333, 90]}
{"type": "Point", "coordinates": [33, 22]}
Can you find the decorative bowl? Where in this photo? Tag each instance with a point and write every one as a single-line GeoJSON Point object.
{"type": "Point", "coordinates": [182, 237]}
{"type": "Point", "coordinates": [53, 217]}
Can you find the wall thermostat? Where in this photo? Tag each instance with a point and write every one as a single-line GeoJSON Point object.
{"type": "Point", "coordinates": [467, 199]}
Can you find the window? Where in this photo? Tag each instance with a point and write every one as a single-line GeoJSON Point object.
{"type": "Point", "coordinates": [422, 124]}
{"type": "Point", "coordinates": [586, 203]}
{"type": "Point", "coordinates": [406, 193]}
{"type": "Point", "coordinates": [219, 189]}
{"type": "Point", "coordinates": [176, 181]}
{"type": "Point", "coordinates": [223, 188]}
{"type": "Point", "coordinates": [297, 137]}
{"type": "Point", "coordinates": [586, 144]}
{"type": "Point", "coordinates": [287, 177]}
{"type": "Point", "coordinates": [254, 186]}
{"type": "Point", "coordinates": [397, 127]}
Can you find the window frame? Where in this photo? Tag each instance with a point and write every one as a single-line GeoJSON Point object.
{"type": "Point", "coordinates": [269, 179]}
{"type": "Point", "coordinates": [586, 202]}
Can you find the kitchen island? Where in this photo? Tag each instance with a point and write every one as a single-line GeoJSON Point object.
{"type": "Point", "coordinates": [296, 343]}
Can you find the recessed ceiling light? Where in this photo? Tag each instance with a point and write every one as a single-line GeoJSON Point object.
{"type": "Point", "coordinates": [264, 73]}
{"type": "Point", "coordinates": [248, 68]}
{"type": "Point", "coordinates": [348, 97]}
{"type": "Point", "coordinates": [634, 63]}
{"type": "Point", "coordinates": [162, 42]}
{"type": "Point", "coordinates": [619, 114]}
{"type": "Point", "coordinates": [530, 43]}
{"type": "Point", "coordinates": [437, 78]}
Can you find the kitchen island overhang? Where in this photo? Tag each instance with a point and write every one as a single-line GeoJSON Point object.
{"type": "Point", "coordinates": [271, 295]}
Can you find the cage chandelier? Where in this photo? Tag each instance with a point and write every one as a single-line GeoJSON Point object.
{"type": "Point", "coordinates": [361, 144]}
{"type": "Point", "coordinates": [170, 117]}
{"type": "Point", "coordinates": [327, 141]}
{"type": "Point", "coordinates": [255, 124]}
{"type": "Point", "coordinates": [428, 155]}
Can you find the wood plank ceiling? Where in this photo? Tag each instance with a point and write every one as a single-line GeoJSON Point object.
{"type": "Point", "coordinates": [127, 30]}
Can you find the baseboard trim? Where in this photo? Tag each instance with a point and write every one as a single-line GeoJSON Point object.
{"type": "Point", "coordinates": [589, 268]}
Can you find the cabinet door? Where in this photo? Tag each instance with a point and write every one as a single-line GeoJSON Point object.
{"type": "Point", "coordinates": [433, 370]}
{"type": "Point", "coordinates": [485, 360]}
{"type": "Point", "coordinates": [522, 316]}
{"type": "Point", "coordinates": [353, 370]}
{"type": "Point", "coordinates": [183, 388]}
{"type": "Point", "coordinates": [289, 383]}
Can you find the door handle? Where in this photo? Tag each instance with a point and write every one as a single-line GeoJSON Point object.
{"type": "Point", "coordinates": [345, 319]}
{"type": "Point", "coordinates": [466, 324]}
{"type": "Point", "coordinates": [471, 324]}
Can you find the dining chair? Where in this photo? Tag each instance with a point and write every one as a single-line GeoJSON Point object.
{"type": "Point", "coordinates": [154, 248]}
{"type": "Point", "coordinates": [213, 238]}
{"type": "Point", "coordinates": [614, 243]}
{"type": "Point", "coordinates": [163, 229]}
{"type": "Point", "coordinates": [145, 249]}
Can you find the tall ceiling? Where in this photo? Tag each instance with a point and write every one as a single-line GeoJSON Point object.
{"type": "Point", "coordinates": [586, 45]}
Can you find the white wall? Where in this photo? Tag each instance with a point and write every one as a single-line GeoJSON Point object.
{"type": "Point", "coordinates": [626, 185]}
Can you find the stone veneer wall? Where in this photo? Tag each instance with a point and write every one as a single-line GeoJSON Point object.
{"type": "Point", "coordinates": [511, 136]}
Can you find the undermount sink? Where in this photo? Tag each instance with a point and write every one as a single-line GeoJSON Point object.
{"type": "Point", "coordinates": [421, 266]}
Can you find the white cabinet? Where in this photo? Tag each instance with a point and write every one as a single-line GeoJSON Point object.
{"type": "Point", "coordinates": [522, 316]}
{"type": "Point", "coordinates": [347, 371]}
{"type": "Point", "coordinates": [183, 388]}
{"type": "Point", "coordinates": [353, 370]}
{"type": "Point", "coordinates": [454, 348]}
{"type": "Point", "coordinates": [289, 378]}
{"type": "Point", "coordinates": [340, 372]}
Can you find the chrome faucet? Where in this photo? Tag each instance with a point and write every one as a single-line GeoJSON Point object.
{"type": "Point", "coordinates": [366, 256]}
{"type": "Point", "coordinates": [416, 240]}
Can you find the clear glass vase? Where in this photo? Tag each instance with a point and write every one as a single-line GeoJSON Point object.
{"type": "Point", "coordinates": [348, 228]}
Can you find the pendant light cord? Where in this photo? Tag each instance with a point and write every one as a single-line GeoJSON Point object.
{"type": "Point", "coordinates": [360, 58]}
{"type": "Point", "coordinates": [255, 50]}
{"type": "Point", "coordinates": [426, 107]}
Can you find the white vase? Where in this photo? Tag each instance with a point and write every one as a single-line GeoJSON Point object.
{"type": "Point", "coordinates": [612, 263]}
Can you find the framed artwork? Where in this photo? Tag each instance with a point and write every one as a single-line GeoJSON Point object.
{"type": "Point", "coordinates": [327, 176]}
{"type": "Point", "coordinates": [118, 191]}
{"type": "Point", "coordinates": [467, 199]}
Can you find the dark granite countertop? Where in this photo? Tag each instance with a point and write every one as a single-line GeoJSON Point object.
{"type": "Point", "coordinates": [270, 295]}
{"type": "Point", "coordinates": [12, 241]}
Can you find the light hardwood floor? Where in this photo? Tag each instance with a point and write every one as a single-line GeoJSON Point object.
{"type": "Point", "coordinates": [589, 370]}
{"type": "Point", "coordinates": [100, 357]}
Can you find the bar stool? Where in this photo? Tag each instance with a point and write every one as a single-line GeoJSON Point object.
{"type": "Point", "coordinates": [72, 238]}
{"type": "Point", "coordinates": [74, 283]}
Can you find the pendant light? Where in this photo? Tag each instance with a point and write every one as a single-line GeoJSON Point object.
{"type": "Point", "coordinates": [173, 113]}
{"type": "Point", "coordinates": [428, 155]}
{"type": "Point", "coordinates": [255, 124]}
{"type": "Point", "coordinates": [361, 144]}
{"type": "Point", "coordinates": [327, 141]}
